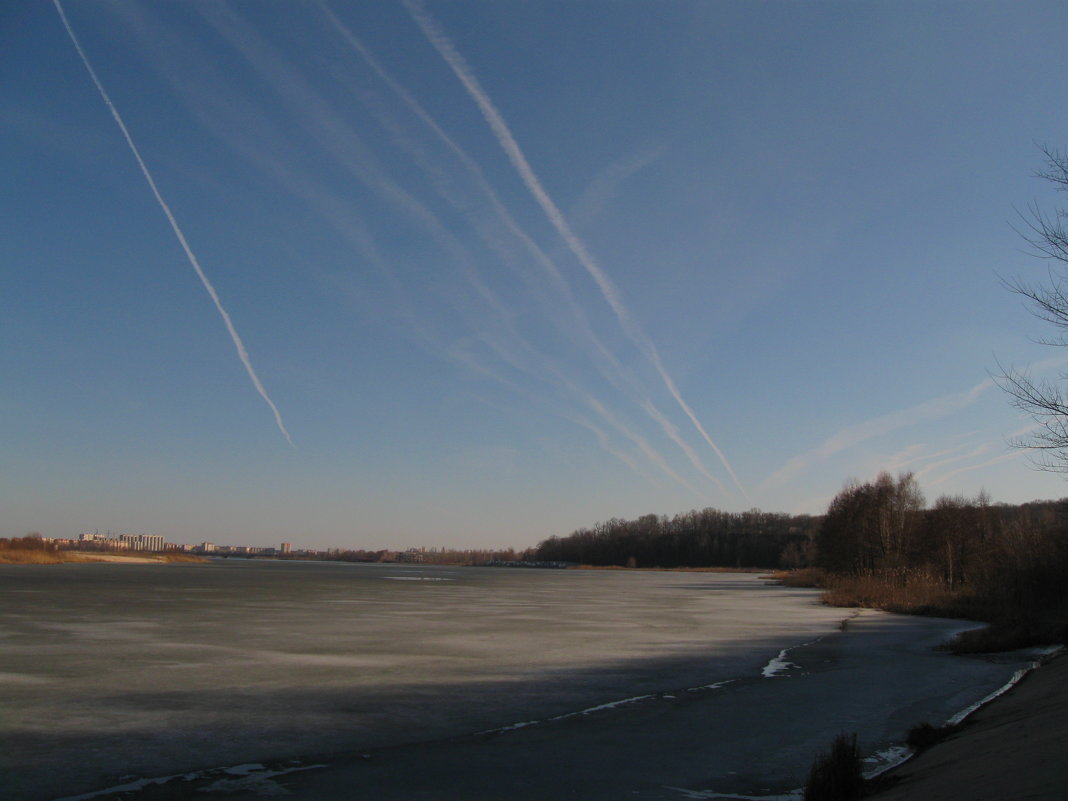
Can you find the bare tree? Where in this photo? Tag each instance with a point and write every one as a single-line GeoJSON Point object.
{"type": "Point", "coordinates": [1046, 401]}
{"type": "Point", "coordinates": [871, 527]}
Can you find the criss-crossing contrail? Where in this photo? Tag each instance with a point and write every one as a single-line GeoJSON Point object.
{"type": "Point", "coordinates": [501, 131]}
{"type": "Point", "coordinates": [238, 344]}
{"type": "Point", "coordinates": [609, 365]}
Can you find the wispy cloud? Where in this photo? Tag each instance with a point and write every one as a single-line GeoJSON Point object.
{"type": "Point", "coordinates": [606, 184]}
{"type": "Point", "coordinates": [853, 435]}
{"type": "Point", "coordinates": [609, 291]}
{"type": "Point", "coordinates": [920, 453]}
{"type": "Point", "coordinates": [1008, 453]}
{"type": "Point", "coordinates": [1003, 457]}
{"type": "Point", "coordinates": [933, 467]}
{"type": "Point", "coordinates": [242, 352]}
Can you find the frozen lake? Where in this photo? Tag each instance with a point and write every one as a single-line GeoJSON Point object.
{"type": "Point", "coordinates": [109, 671]}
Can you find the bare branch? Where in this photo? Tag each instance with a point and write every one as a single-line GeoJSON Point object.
{"type": "Point", "coordinates": [1045, 402]}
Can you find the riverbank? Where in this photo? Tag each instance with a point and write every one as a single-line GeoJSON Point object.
{"type": "Point", "coordinates": [1012, 748]}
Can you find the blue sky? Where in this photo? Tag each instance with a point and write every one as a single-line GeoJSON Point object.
{"type": "Point", "coordinates": [505, 269]}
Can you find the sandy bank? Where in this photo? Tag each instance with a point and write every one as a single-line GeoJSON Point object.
{"type": "Point", "coordinates": [80, 556]}
{"type": "Point", "coordinates": [117, 558]}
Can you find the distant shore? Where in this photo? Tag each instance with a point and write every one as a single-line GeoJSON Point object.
{"type": "Point", "coordinates": [43, 557]}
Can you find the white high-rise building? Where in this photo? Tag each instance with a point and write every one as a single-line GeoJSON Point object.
{"type": "Point", "coordinates": [143, 542]}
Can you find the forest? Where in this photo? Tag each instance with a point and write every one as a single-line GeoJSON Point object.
{"type": "Point", "coordinates": [704, 538]}
{"type": "Point", "coordinates": [878, 545]}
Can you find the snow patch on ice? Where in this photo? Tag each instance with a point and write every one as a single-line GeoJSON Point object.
{"type": "Point", "coordinates": [667, 696]}
{"type": "Point", "coordinates": [712, 795]}
{"type": "Point", "coordinates": [567, 715]}
{"type": "Point", "coordinates": [778, 665]}
{"type": "Point", "coordinates": [417, 578]}
{"type": "Point", "coordinates": [244, 770]}
{"type": "Point", "coordinates": [251, 777]}
{"type": "Point", "coordinates": [714, 686]}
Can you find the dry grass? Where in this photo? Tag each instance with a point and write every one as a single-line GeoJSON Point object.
{"type": "Point", "coordinates": [915, 595]}
{"type": "Point", "coordinates": [183, 557]}
{"type": "Point", "coordinates": [803, 577]}
{"type": "Point", "coordinates": [17, 556]}
{"type": "Point", "coordinates": [1012, 624]}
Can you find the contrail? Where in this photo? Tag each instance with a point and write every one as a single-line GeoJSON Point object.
{"type": "Point", "coordinates": [241, 352]}
{"type": "Point", "coordinates": [459, 66]}
{"type": "Point", "coordinates": [556, 279]}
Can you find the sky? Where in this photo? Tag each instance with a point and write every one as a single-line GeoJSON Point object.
{"type": "Point", "coordinates": [473, 274]}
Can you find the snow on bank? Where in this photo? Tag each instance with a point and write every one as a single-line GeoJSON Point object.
{"type": "Point", "coordinates": [1042, 655]}
{"type": "Point", "coordinates": [881, 761]}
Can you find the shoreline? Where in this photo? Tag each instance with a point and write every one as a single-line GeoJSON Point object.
{"type": "Point", "coordinates": [1010, 747]}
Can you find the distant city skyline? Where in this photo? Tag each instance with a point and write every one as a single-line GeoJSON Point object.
{"type": "Point", "coordinates": [111, 542]}
{"type": "Point", "coordinates": [368, 276]}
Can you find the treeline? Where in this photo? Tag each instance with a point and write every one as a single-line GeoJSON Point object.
{"type": "Point", "coordinates": [31, 542]}
{"type": "Point", "coordinates": [30, 549]}
{"type": "Point", "coordinates": [428, 556]}
{"type": "Point", "coordinates": [704, 538]}
{"type": "Point", "coordinates": [878, 545]}
{"type": "Point", "coordinates": [962, 557]}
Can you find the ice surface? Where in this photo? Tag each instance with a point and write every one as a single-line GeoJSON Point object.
{"type": "Point", "coordinates": [158, 672]}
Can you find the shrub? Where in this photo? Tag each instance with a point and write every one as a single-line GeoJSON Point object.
{"type": "Point", "coordinates": [924, 735]}
{"type": "Point", "coordinates": [836, 774]}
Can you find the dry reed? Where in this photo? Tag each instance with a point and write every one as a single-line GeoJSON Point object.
{"type": "Point", "coordinates": [17, 556]}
